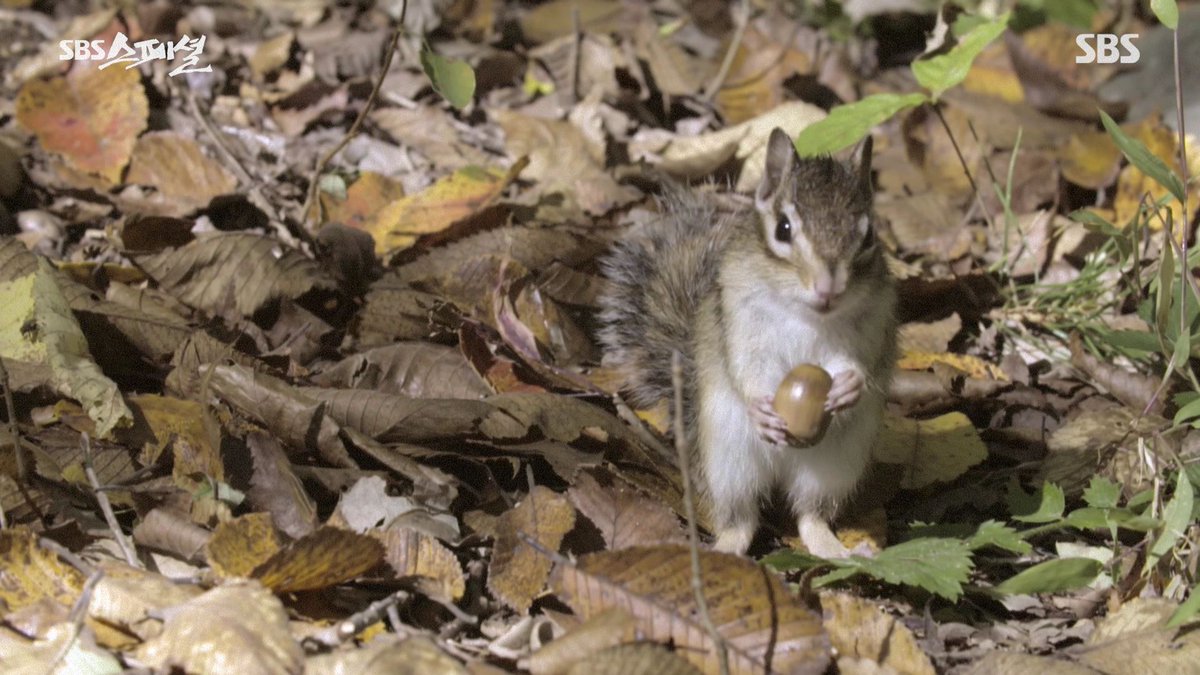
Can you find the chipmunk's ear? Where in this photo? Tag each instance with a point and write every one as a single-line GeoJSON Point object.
{"type": "Point", "coordinates": [862, 160]}
{"type": "Point", "coordinates": [781, 157]}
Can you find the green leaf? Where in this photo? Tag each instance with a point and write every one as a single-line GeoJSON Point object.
{"type": "Point", "coordinates": [940, 73]}
{"type": "Point", "coordinates": [1102, 493]}
{"type": "Point", "coordinates": [1092, 220]}
{"type": "Point", "coordinates": [452, 78]}
{"type": "Point", "coordinates": [1187, 610]}
{"type": "Point", "coordinates": [1167, 12]}
{"type": "Point", "coordinates": [1077, 13]}
{"type": "Point", "coordinates": [1166, 274]}
{"type": "Point", "coordinates": [848, 124]}
{"type": "Point", "coordinates": [937, 565]}
{"type": "Point", "coordinates": [1188, 411]}
{"type": "Point", "coordinates": [1052, 576]}
{"type": "Point", "coordinates": [1044, 506]}
{"type": "Point", "coordinates": [1143, 159]}
{"type": "Point", "coordinates": [993, 533]}
{"type": "Point", "coordinates": [1137, 340]}
{"type": "Point", "coordinates": [1176, 517]}
{"type": "Point", "coordinates": [790, 559]}
{"type": "Point", "coordinates": [1089, 518]}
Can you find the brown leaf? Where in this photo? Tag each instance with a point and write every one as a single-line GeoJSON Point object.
{"type": "Point", "coordinates": [582, 643]}
{"type": "Point", "coordinates": [240, 628]}
{"type": "Point", "coordinates": [30, 574]}
{"type": "Point", "coordinates": [294, 417]}
{"type": "Point", "coordinates": [416, 369]}
{"type": "Point", "coordinates": [765, 628]}
{"type": "Point", "coordinates": [274, 487]}
{"type": "Point", "coordinates": [448, 201]}
{"type": "Point", "coordinates": [238, 546]}
{"type": "Point", "coordinates": [91, 116]}
{"type": "Point", "coordinates": [416, 554]}
{"type": "Point", "coordinates": [126, 595]}
{"type": "Point", "coordinates": [625, 516]}
{"type": "Point", "coordinates": [390, 653]}
{"type": "Point", "coordinates": [431, 132]}
{"type": "Point", "coordinates": [1134, 640]}
{"type": "Point", "coordinates": [179, 169]}
{"type": "Point", "coordinates": [634, 658]}
{"type": "Point", "coordinates": [364, 198]}
{"type": "Point", "coordinates": [518, 573]}
{"type": "Point", "coordinates": [860, 631]}
{"type": "Point", "coordinates": [249, 269]}
{"type": "Point", "coordinates": [558, 18]}
{"type": "Point", "coordinates": [324, 558]}
{"type": "Point", "coordinates": [563, 162]}
{"type": "Point", "coordinates": [763, 61]}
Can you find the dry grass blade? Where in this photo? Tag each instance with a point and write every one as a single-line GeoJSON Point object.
{"type": "Point", "coordinates": [765, 628]}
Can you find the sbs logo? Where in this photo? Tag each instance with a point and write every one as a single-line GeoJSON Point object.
{"type": "Point", "coordinates": [1106, 50]}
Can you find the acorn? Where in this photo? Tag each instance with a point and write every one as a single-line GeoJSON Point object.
{"type": "Point", "coordinates": [800, 400]}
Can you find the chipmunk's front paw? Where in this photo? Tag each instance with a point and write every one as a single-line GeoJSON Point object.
{"type": "Point", "coordinates": [771, 427]}
{"type": "Point", "coordinates": [846, 390]}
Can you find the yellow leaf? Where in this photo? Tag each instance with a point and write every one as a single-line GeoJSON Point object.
{"type": "Point", "coordinates": [1132, 183]}
{"type": "Point", "coordinates": [446, 202]}
{"type": "Point", "coordinates": [971, 365]}
{"type": "Point", "coordinates": [940, 449]}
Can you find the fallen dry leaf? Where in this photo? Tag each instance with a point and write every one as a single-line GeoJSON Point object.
{"type": "Point", "coordinates": [518, 573]}
{"type": "Point", "coordinates": [764, 626]}
{"type": "Point", "coordinates": [940, 449]}
{"type": "Point", "coordinates": [90, 116]}
{"type": "Point", "coordinates": [239, 628]}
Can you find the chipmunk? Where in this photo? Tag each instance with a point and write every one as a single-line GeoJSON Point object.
{"type": "Point", "coordinates": [744, 296]}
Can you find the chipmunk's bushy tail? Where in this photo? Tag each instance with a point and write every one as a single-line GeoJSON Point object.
{"type": "Point", "coordinates": [657, 279]}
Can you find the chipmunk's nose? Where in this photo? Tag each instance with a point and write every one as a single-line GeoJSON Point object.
{"type": "Point", "coordinates": [826, 291]}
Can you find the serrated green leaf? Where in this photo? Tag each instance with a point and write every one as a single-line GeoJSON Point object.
{"type": "Point", "coordinates": [452, 78]}
{"type": "Point", "coordinates": [993, 533]}
{"type": "Point", "coordinates": [1044, 506]}
{"type": "Point", "coordinates": [1052, 576]}
{"type": "Point", "coordinates": [1145, 161]}
{"type": "Point", "coordinates": [1089, 518]}
{"type": "Point", "coordinates": [940, 73]}
{"type": "Point", "coordinates": [940, 566]}
{"type": "Point", "coordinates": [1102, 493]}
{"type": "Point", "coordinates": [1176, 517]}
{"type": "Point", "coordinates": [847, 124]}
{"type": "Point", "coordinates": [790, 560]}
{"type": "Point", "coordinates": [1167, 12]}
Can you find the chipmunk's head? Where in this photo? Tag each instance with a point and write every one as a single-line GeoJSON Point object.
{"type": "Point", "coordinates": [817, 221]}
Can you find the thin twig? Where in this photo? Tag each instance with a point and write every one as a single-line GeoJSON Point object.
{"type": "Point", "coordinates": [1185, 271]}
{"type": "Point", "coordinates": [357, 622]}
{"type": "Point", "coordinates": [310, 201]}
{"type": "Point", "coordinates": [963, 161]}
{"type": "Point", "coordinates": [690, 506]}
{"type": "Point", "coordinates": [76, 618]}
{"type": "Point", "coordinates": [576, 55]}
{"type": "Point", "coordinates": [741, 19]}
{"type": "Point", "coordinates": [13, 429]}
{"type": "Point", "coordinates": [106, 506]}
{"type": "Point", "coordinates": [638, 426]}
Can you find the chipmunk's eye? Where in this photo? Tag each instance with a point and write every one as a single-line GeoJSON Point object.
{"type": "Point", "coordinates": [783, 229]}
